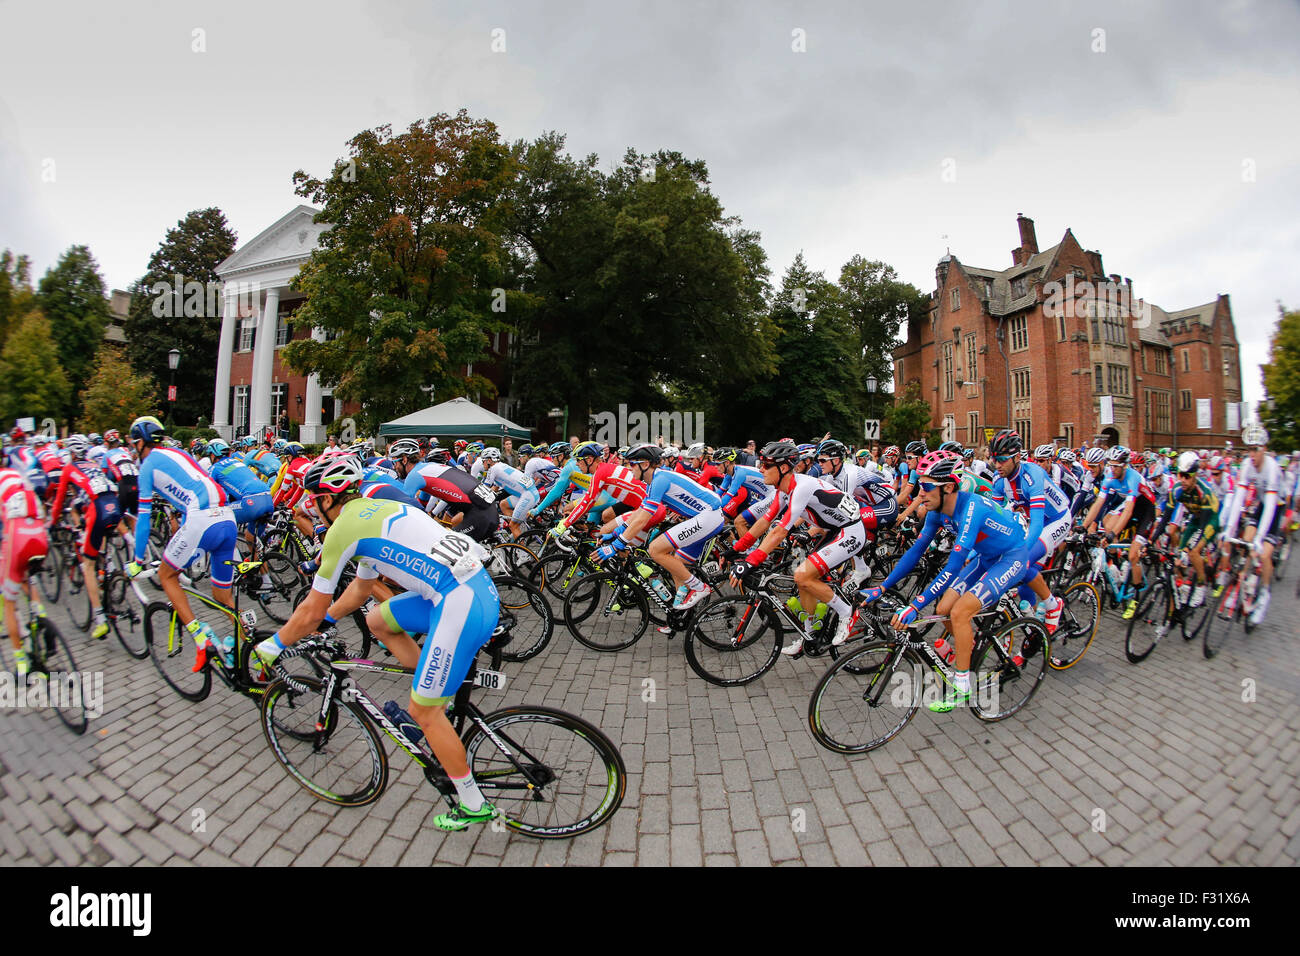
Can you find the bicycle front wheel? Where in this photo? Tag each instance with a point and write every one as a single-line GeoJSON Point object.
{"type": "Point", "coordinates": [1007, 670]}
{"type": "Point", "coordinates": [866, 698]}
{"type": "Point", "coordinates": [606, 611]}
{"type": "Point", "coordinates": [284, 580]}
{"type": "Point", "coordinates": [562, 776]}
{"type": "Point", "coordinates": [124, 615]}
{"type": "Point", "coordinates": [733, 641]}
{"type": "Point", "coordinates": [1218, 626]}
{"type": "Point", "coordinates": [529, 614]}
{"type": "Point", "coordinates": [1149, 623]}
{"type": "Point", "coordinates": [345, 763]}
{"type": "Point", "coordinates": [52, 660]}
{"type": "Point", "coordinates": [50, 578]}
{"type": "Point", "coordinates": [173, 651]}
{"type": "Point", "coordinates": [1080, 618]}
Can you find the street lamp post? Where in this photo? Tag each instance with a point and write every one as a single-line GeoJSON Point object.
{"type": "Point", "coordinates": [173, 360]}
{"type": "Point", "coordinates": [871, 390]}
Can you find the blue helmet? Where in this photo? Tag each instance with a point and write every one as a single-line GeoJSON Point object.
{"type": "Point", "coordinates": [148, 430]}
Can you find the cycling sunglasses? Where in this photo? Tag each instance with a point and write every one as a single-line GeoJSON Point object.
{"type": "Point", "coordinates": [1001, 458]}
{"type": "Point", "coordinates": [1187, 474]}
{"type": "Point", "coordinates": [824, 461]}
{"type": "Point", "coordinates": [928, 486]}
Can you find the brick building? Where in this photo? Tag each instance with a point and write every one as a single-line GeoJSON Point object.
{"type": "Point", "coordinates": [1052, 344]}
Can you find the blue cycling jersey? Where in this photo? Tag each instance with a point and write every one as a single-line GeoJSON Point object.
{"type": "Point", "coordinates": [750, 479]}
{"type": "Point", "coordinates": [264, 463]}
{"type": "Point", "coordinates": [238, 480]}
{"type": "Point", "coordinates": [173, 476]}
{"type": "Point", "coordinates": [673, 491]}
{"type": "Point", "coordinates": [1032, 491]}
{"type": "Point", "coordinates": [375, 475]}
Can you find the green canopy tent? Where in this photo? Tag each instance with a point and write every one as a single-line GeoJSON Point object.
{"type": "Point", "coordinates": [459, 417]}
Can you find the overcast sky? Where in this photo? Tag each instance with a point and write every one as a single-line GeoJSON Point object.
{"type": "Point", "coordinates": [1164, 134]}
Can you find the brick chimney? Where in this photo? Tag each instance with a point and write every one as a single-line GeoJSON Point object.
{"type": "Point", "coordinates": [1028, 241]}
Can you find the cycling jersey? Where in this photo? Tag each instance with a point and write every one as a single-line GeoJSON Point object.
{"type": "Point", "coordinates": [509, 479]}
{"type": "Point", "coordinates": [238, 480]}
{"type": "Point", "coordinates": [1256, 495]}
{"type": "Point", "coordinates": [674, 491]}
{"type": "Point", "coordinates": [449, 596]}
{"type": "Point", "coordinates": [708, 476]}
{"type": "Point", "coordinates": [1197, 507]}
{"type": "Point", "coordinates": [17, 499]}
{"type": "Point", "coordinates": [818, 500]}
{"type": "Point", "coordinates": [173, 476]}
{"type": "Point", "coordinates": [621, 483]}
{"type": "Point", "coordinates": [743, 487]}
{"type": "Point", "coordinates": [264, 463]}
{"type": "Point", "coordinates": [24, 531]}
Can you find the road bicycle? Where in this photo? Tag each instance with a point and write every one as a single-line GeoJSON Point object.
{"type": "Point", "coordinates": [1166, 604]}
{"type": "Point", "coordinates": [550, 774]}
{"type": "Point", "coordinates": [53, 678]}
{"type": "Point", "coordinates": [1236, 600]}
{"type": "Point", "coordinates": [869, 695]}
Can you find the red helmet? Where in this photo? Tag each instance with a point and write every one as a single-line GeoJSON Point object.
{"type": "Point", "coordinates": [17, 434]}
{"type": "Point", "coordinates": [460, 445]}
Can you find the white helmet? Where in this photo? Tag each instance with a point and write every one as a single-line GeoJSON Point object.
{"type": "Point", "coordinates": [1188, 461]}
{"type": "Point", "coordinates": [491, 454]}
{"type": "Point", "coordinates": [1094, 456]}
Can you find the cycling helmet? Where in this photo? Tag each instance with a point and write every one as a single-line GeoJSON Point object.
{"type": "Point", "coordinates": [1119, 455]}
{"type": "Point", "coordinates": [726, 453]}
{"type": "Point", "coordinates": [672, 451]}
{"type": "Point", "coordinates": [475, 448]}
{"type": "Point", "coordinates": [1188, 463]}
{"type": "Point", "coordinates": [404, 448]}
{"type": "Point", "coordinates": [891, 452]}
{"type": "Point", "coordinates": [278, 445]}
{"type": "Point", "coordinates": [1137, 459]}
{"type": "Point", "coordinates": [940, 466]}
{"type": "Point", "coordinates": [1068, 456]}
{"type": "Point", "coordinates": [1094, 456]}
{"type": "Point", "coordinates": [561, 448]}
{"type": "Point", "coordinates": [218, 449]}
{"type": "Point", "coordinates": [95, 438]}
{"type": "Point", "coordinates": [17, 435]}
{"type": "Point", "coordinates": [292, 448]}
{"type": "Point", "coordinates": [645, 452]}
{"type": "Point", "coordinates": [1254, 435]}
{"type": "Point", "coordinates": [622, 451]}
{"type": "Point", "coordinates": [525, 450]}
{"type": "Point", "coordinates": [112, 437]}
{"type": "Point", "coordinates": [952, 446]}
{"type": "Point", "coordinates": [862, 455]}
{"type": "Point", "coordinates": [333, 474]}
{"type": "Point", "coordinates": [441, 456]}
{"type": "Point", "coordinates": [1006, 442]}
{"type": "Point", "coordinates": [459, 445]}
{"type": "Point", "coordinates": [589, 449]}
{"type": "Point", "coordinates": [807, 452]}
{"type": "Point", "coordinates": [968, 453]}
{"type": "Point", "coordinates": [833, 449]}
{"type": "Point", "coordinates": [1044, 451]}
{"type": "Point", "coordinates": [695, 451]}
{"type": "Point", "coordinates": [76, 446]}
{"type": "Point", "coordinates": [916, 448]}
{"type": "Point", "coordinates": [779, 452]}
{"type": "Point", "coordinates": [491, 454]}
{"type": "Point", "coordinates": [148, 430]}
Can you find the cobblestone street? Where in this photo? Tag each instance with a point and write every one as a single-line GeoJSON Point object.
{"type": "Point", "coordinates": [1178, 760]}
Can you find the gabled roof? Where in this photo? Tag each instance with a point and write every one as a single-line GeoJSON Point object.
{"type": "Point", "coordinates": [1000, 301]}
{"type": "Point", "coordinates": [291, 237]}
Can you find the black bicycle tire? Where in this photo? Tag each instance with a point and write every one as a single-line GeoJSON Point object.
{"type": "Point", "coordinates": [1063, 632]}
{"type": "Point", "coordinates": [1038, 672]}
{"type": "Point", "coordinates": [498, 722]}
{"type": "Point", "coordinates": [1217, 622]}
{"type": "Point", "coordinates": [767, 622]}
{"type": "Point", "coordinates": [119, 607]}
{"type": "Point", "coordinates": [1159, 590]}
{"type": "Point", "coordinates": [52, 664]}
{"type": "Point", "coordinates": [628, 593]}
{"type": "Point", "coordinates": [158, 645]}
{"type": "Point", "coordinates": [77, 602]}
{"type": "Point", "coordinates": [51, 573]}
{"type": "Point", "coordinates": [278, 692]}
{"type": "Point", "coordinates": [864, 677]}
{"type": "Point", "coordinates": [515, 564]}
{"type": "Point", "coordinates": [1195, 618]}
{"type": "Point", "coordinates": [286, 582]}
{"type": "Point", "coordinates": [519, 649]}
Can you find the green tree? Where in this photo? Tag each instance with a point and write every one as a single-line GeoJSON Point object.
{"type": "Point", "coordinates": [1281, 413]}
{"type": "Point", "coordinates": [72, 296]}
{"type": "Point", "coordinates": [160, 321]}
{"type": "Point", "coordinates": [32, 383]}
{"type": "Point", "coordinates": [115, 394]}
{"type": "Point", "coordinates": [909, 419]}
{"type": "Point", "coordinates": [405, 280]}
{"type": "Point", "coordinates": [875, 302]}
{"type": "Point", "coordinates": [15, 290]}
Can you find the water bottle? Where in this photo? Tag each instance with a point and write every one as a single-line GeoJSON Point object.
{"type": "Point", "coordinates": [404, 721]}
{"type": "Point", "coordinates": [1098, 562]}
{"type": "Point", "coordinates": [945, 649]}
{"type": "Point", "coordinates": [1069, 562]}
{"type": "Point", "coordinates": [652, 579]}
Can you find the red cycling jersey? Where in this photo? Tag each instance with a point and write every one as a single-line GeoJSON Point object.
{"type": "Point", "coordinates": [621, 483]}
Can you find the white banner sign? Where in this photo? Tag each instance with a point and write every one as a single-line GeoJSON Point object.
{"type": "Point", "coordinates": [1233, 423]}
{"type": "Point", "coordinates": [26, 424]}
{"type": "Point", "coordinates": [1107, 410]}
{"type": "Point", "coordinates": [1202, 413]}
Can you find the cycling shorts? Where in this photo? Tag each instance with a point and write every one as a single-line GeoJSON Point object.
{"type": "Point", "coordinates": [24, 541]}
{"type": "Point", "coordinates": [252, 507]}
{"type": "Point", "coordinates": [1053, 534]}
{"type": "Point", "coordinates": [846, 543]}
{"type": "Point", "coordinates": [128, 494]}
{"type": "Point", "coordinates": [988, 578]}
{"type": "Point", "coordinates": [480, 523]}
{"type": "Point", "coordinates": [211, 530]}
{"type": "Point", "coordinates": [1201, 531]}
{"type": "Point", "coordinates": [522, 504]}
{"type": "Point", "coordinates": [456, 625]}
{"type": "Point", "coordinates": [101, 517]}
{"type": "Point", "coordinates": [689, 537]}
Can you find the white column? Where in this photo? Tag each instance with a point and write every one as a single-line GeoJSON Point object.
{"type": "Point", "coordinates": [312, 432]}
{"type": "Point", "coordinates": [225, 348]}
{"type": "Point", "coordinates": [263, 360]}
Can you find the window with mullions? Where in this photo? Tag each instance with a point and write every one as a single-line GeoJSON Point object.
{"type": "Point", "coordinates": [1019, 333]}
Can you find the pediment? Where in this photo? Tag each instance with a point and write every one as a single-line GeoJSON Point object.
{"type": "Point", "coordinates": [293, 236]}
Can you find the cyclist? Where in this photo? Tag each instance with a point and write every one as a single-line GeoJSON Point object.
{"type": "Point", "coordinates": [1000, 554]}
{"type": "Point", "coordinates": [102, 515]}
{"type": "Point", "coordinates": [1256, 501]}
{"type": "Point", "coordinates": [472, 508]}
{"type": "Point", "coordinates": [624, 485]}
{"type": "Point", "coordinates": [519, 488]}
{"type": "Point", "coordinates": [24, 541]}
{"type": "Point", "coordinates": [449, 597]}
{"type": "Point", "coordinates": [247, 495]}
{"type": "Point", "coordinates": [1128, 499]}
{"type": "Point", "coordinates": [120, 466]}
{"type": "Point", "coordinates": [172, 476]}
{"type": "Point", "coordinates": [743, 487]}
{"type": "Point", "coordinates": [873, 493]}
{"type": "Point", "coordinates": [1195, 499]}
{"type": "Point", "coordinates": [824, 506]}
{"type": "Point", "coordinates": [696, 466]}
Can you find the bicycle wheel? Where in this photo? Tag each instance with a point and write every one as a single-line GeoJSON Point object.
{"type": "Point", "coordinates": [1194, 618]}
{"type": "Point", "coordinates": [558, 573]}
{"type": "Point", "coordinates": [52, 659]}
{"type": "Point", "coordinates": [285, 582]}
{"type": "Point", "coordinates": [173, 651]}
{"type": "Point", "coordinates": [1008, 668]}
{"type": "Point", "coordinates": [1218, 626]}
{"type": "Point", "coordinates": [1149, 623]}
{"type": "Point", "coordinates": [733, 641]}
{"type": "Point", "coordinates": [517, 561]}
{"type": "Point", "coordinates": [575, 779]}
{"type": "Point", "coordinates": [345, 763]}
{"type": "Point", "coordinates": [1080, 618]}
{"type": "Point", "coordinates": [50, 576]}
{"type": "Point", "coordinates": [606, 611]}
{"type": "Point", "coordinates": [76, 599]}
{"type": "Point", "coordinates": [525, 608]}
{"type": "Point", "coordinates": [124, 616]}
{"type": "Point", "coordinates": [866, 698]}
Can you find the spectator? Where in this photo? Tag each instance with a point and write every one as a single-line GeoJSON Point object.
{"type": "Point", "coordinates": [284, 424]}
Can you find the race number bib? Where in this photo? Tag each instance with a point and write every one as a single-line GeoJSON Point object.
{"type": "Point", "coordinates": [126, 468]}
{"type": "Point", "coordinates": [486, 494]}
{"type": "Point", "coordinates": [457, 551]}
{"type": "Point", "coordinates": [16, 507]}
{"type": "Point", "coordinates": [98, 483]}
{"type": "Point", "coordinates": [849, 507]}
